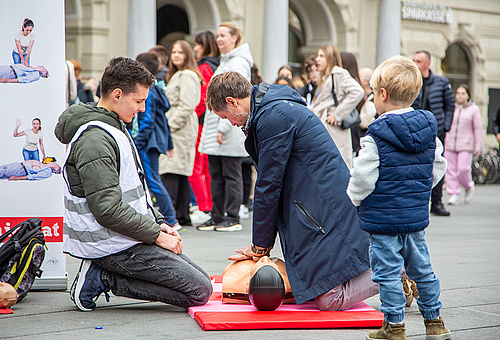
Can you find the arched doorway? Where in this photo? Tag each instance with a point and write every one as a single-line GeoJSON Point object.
{"type": "Point", "coordinates": [171, 24]}
{"type": "Point", "coordinates": [457, 66]}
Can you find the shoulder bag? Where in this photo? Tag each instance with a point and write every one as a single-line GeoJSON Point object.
{"type": "Point", "coordinates": [353, 119]}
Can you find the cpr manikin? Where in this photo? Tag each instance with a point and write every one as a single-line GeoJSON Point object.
{"type": "Point", "coordinates": [264, 284]}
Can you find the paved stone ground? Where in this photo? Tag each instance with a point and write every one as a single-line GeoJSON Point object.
{"type": "Point", "coordinates": [465, 252]}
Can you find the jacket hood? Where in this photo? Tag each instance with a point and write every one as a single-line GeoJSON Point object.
{"type": "Point", "coordinates": [213, 62]}
{"type": "Point", "coordinates": [469, 103]}
{"type": "Point", "coordinates": [264, 94]}
{"type": "Point", "coordinates": [242, 51]}
{"type": "Point", "coordinates": [78, 115]}
{"type": "Point", "coordinates": [413, 131]}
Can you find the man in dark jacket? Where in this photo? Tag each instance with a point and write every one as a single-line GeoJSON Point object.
{"type": "Point", "coordinates": [109, 222]}
{"type": "Point", "coordinates": [300, 192]}
{"type": "Point", "coordinates": [436, 96]}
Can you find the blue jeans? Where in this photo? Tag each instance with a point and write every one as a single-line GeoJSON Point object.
{"type": "Point", "coordinates": [28, 155]}
{"type": "Point", "coordinates": [388, 255]}
{"type": "Point", "coordinates": [150, 164]}
{"type": "Point", "coordinates": [17, 58]}
{"type": "Point", "coordinates": [149, 272]}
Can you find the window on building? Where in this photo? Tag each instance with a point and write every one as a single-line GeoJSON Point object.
{"type": "Point", "coordinates": [456, 65]}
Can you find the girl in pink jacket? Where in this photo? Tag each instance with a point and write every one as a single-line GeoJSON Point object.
{"type": "Point", "coordinates": [464, 138]}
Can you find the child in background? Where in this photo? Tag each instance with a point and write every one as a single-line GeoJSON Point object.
{"type": "Point", "coordinates": [399, 163]}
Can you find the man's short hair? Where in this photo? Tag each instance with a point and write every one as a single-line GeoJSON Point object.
{"type": "Point", "coordinates": [229, 84]}
{"type": "Point", "coordinates": [161, 52]}
{"type": "Point", "coordinates": [427, 54]}
{"type": "Point", "coordinates": [125, 74]}
{"type": "Point", "coordinates": [150, 61]}
{"type": "Point", "coordinates": [400, 77]}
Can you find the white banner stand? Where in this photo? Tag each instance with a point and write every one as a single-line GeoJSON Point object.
{"type": "Point", "coordinates": [45, 99]}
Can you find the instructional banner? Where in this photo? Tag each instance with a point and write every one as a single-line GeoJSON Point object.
{"type": "Point", "coordinates": [33, 95]}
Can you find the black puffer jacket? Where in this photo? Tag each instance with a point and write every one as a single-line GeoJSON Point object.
{"type": "Point", "coordinates": [438, 98]}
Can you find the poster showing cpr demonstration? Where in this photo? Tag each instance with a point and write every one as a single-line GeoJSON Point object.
{"type": "Point", "coordinates": [33, 95]}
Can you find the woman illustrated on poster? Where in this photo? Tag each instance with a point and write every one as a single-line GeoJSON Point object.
{"type": "Point", "coordinates": [24, 40]}
{"type": "Point", "coordinates": [34, 137]}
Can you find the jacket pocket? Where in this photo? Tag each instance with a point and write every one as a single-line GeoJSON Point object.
{"type": "Point", "coordinates": [303, 210]}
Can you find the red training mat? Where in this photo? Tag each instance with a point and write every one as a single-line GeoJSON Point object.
{"type": "Point", "coordinates": [218, 316]}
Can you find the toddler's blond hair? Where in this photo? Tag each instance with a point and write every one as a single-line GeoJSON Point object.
{"type": "Point", "coordinates": [400, 77]}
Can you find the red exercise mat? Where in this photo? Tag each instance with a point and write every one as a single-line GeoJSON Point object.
{"type": "Point", "coordinates": [218, 321]}
{"type": "Point", "coordinates": [216, 315]}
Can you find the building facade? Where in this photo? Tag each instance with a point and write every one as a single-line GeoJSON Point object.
{"type": "Point", "coordinates": [462, 36]}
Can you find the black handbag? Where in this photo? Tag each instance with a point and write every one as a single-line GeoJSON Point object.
{"type": "Point", "coordinates": [353, 119]}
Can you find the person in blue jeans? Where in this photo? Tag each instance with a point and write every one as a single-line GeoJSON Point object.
{"type": "Point", "coordinates": [399, 163]}
{"type": "Point", "coordinates": [34, 137]}
{"type": "Point", "coordinates": [152, 137]}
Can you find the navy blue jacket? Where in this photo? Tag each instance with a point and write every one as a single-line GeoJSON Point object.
{"type": "Point", "coordinates": [154, 131]}
{"type": "Point", "coordinates": [301, 191]}
{"type": "Point", "coordinates": [406, 145]}
{"type": "Point", "coordinates": [439, 100]}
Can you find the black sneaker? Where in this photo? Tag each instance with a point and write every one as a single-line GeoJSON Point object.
{"type": "Point", "coordinates": [88, 286]}
{"type": "Point", "coordinates": [439, 209]}
{"type": "Point", "coordinates": [228, 226]}
{"type": "Point", "coordinates": [208, 225]}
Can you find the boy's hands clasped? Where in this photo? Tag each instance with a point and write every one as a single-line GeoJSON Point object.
{"type": "Point", "coordinates": [169, 239]}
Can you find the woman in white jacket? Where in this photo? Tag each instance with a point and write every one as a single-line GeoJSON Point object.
{"type": "Point", "coordinates": [224, 143]}
{"type": "Point", "coordinates": [183, 92]}
{"type": "Point", "coordinates": [349, 94]}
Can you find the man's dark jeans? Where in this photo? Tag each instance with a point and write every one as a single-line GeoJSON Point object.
{"type": "Point", "coordinates": [227, 188]}
{"type": "Point", "coordinates": [149, 272]}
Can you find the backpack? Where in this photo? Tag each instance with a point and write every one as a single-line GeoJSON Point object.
{"type": "Point", "coordinates": [21, 256]}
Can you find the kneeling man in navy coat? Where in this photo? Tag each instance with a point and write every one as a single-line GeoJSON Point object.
{"type": "Point", "coordinates": [300, 192]}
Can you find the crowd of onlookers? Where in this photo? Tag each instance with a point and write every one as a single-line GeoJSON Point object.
{"type": "Point", "coordinates": [195, 163]}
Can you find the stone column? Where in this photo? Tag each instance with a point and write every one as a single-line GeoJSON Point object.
{"type": "Point", "coordinates": [141, 27]}
{"type": "Point", "coordinates": [275, 38]}
{"type": "Point", "coordinates": [389, 29]}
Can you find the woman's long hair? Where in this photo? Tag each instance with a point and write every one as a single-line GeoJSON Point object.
{"type": "Point", "coordinates": [207, 42]}
{"type": "Point", "coordinates": [350, 63]}
{"type": "Point", "coordinates": [233, 30]}
{"type": "Point", "coordinates": [189, 60]}
{"type": "Point", "coordinates": [332, 56]}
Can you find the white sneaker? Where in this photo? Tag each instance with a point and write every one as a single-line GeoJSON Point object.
{"type": "Point", "coordinates": [469, 194]}
{"type": "Point", "coordinates": [244, 212]}
{"type": "Point", "coordinates": [198, 217]}
{"type": "Point", "coordinates": [176, 226]}
{"type": "Point", "coordinates": [453, 200]}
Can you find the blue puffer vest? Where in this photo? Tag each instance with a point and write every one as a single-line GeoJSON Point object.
{"type": "Point", "coordinates": [406, 145]}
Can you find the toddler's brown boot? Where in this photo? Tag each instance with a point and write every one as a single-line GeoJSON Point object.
{"type": "Point", "coordinates": [435, 329]}
{"type": "Point", "coordinates": [388, 331]}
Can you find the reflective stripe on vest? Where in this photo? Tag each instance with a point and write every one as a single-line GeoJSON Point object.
{"type": "Point", "coordinates": [84, 237]}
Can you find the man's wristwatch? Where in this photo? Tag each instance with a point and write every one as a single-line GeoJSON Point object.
{"type": "Point", "coordinates": [258, 251]}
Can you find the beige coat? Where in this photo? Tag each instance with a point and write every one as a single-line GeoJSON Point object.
{"type": "Point", "coordinates": [349, 94]}
{"type": "Point", "coordinates": [183, 92]}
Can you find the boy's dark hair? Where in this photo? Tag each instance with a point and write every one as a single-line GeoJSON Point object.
{"type": "Point", "coordinates": [150, 61]}
{"type": "Point", "coordinates": [161, 52]}
{"type": "Point", "coordinates": [229, 84]}
{"type": "Point", "coordinates": [125, 74]}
